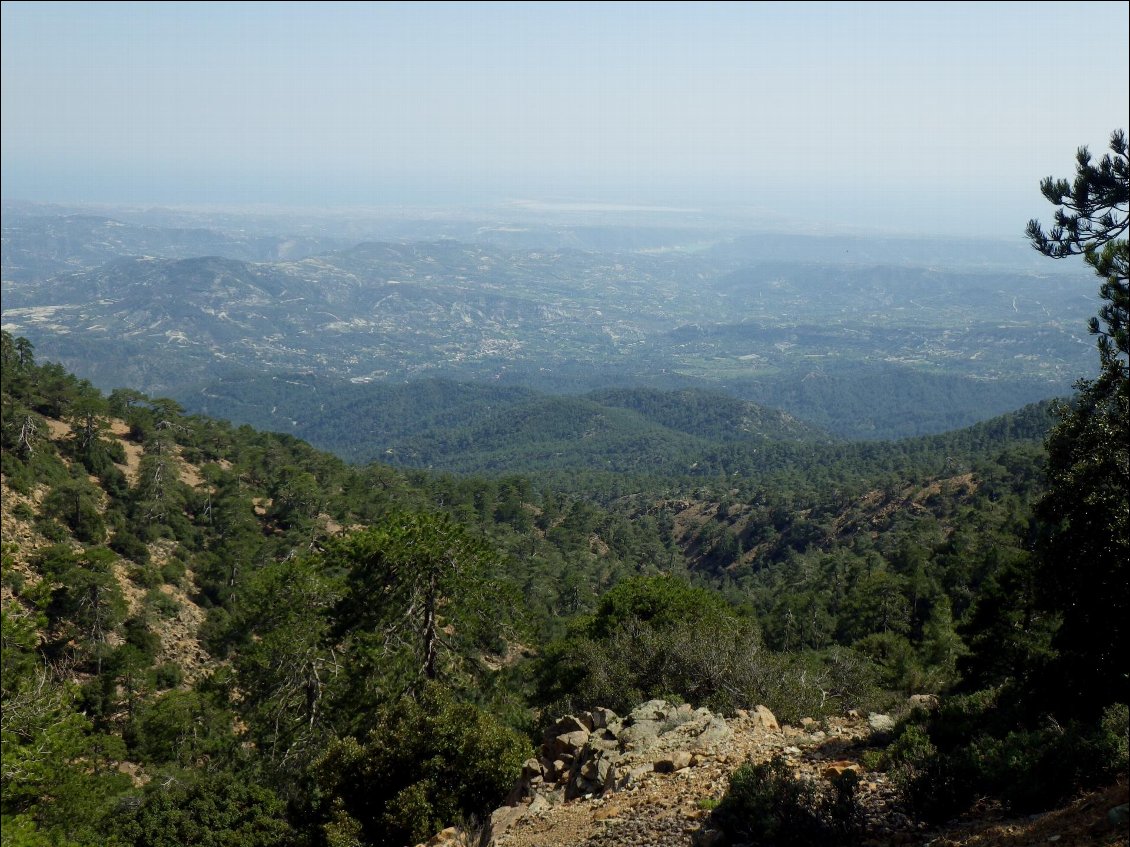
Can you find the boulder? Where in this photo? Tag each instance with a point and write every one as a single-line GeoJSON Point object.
{"type": "Point", "coordinates": [926, 702]}
{"type": "Point", "coordinates": [765, 719]}
{"type": "Point", "coordinates": [570, 742]}
{"type": "Point", "coordinates": [1119, 816]}
{"type": "Point", "coordinates": [715, 732]}
{"type": "Point", "coordinates": [571, 723]}
{"type": "Point", "coordinates": [602, 718]}
{"type": "Point", "coordinates": [880, 722]}
{"type": "Point", "coordinates": [675, 762]}
{"type": "Point", "coordinates": [834, 770]}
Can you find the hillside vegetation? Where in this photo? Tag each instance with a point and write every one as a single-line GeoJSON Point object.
{"type": "Point", "coordinates": [575, 617]}
{"type": "Point", "coordinates": [194, 623]}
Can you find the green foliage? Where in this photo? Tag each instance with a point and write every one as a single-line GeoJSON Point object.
{"type": "Point", "coordinates": [222, 809]}
{"type": "Point", "coordinates": [423, 594]}
{"type": "Point", "coordinates": [658, 602]}
{"type": "Point", "coordinates": [766, 804]}
{"type": "Point", "coordinates": [74, 503]}
{"type": "Point", "coordinates": [185, 728]}
{"type": "Point", "coordinates": [1083, 554]}
{"type": "Point", "coordinates": [982, 745]}
{"type": "Point", "coordinates": [58, 777]}
{"type": "Point", "coordinates": [287, 665]}
{"type": "Point", "coordinates": [422, 767]}
{"type": "Point", "coordinates": [659, 637]}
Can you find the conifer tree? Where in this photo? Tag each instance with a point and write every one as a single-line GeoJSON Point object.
{"type": "Point", "coordinates": [1085, 550]}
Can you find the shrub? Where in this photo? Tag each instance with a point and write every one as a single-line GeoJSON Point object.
{"type": "Point", "coordinates": [767, 805]}
{"type": "Point", "coordinates": [163, 604]}
{"type": "Point", "coordinates": [218, 810]}
{"type": "Point", "coordinates": [425, 765]}
{"type": "Point", "coordinates": [968, 751]}
{"type": "Point", "coordinates": [168, 675]}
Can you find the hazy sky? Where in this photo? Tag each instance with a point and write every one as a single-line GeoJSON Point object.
{"type": "Point", "coordinates": [917, 117]}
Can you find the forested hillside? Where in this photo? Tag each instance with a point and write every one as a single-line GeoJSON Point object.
{"type": "Point", "coordinates": [201, 621]}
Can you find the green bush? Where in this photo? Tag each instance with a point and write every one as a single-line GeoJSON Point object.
{"type": "Point", "coordinates": [172, 572]}
{"type": "Point", "coordinates": [424, 766]}
{"type": "Point", "coordinates": [963, 753]}
{"type": "Point", "coordinates": [126, 544]}
{"type": "Point", "coordinates": [163, 604]}
{"type": "Point", "coordinates": [168, 675]}
{"type": "Point", "coordinates": [217, 810]}
{"type": "Point", "coordinates": [767, 805]}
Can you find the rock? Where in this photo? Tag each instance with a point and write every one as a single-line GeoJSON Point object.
{"type": "Point", "coordinates": [682, 759]}
{"type": "Point", "coordinates": [640, 735]}
{"type": "Point", "coordinates": [604, 739]}
{"type": "Point", "coordinates": [652, 710]}
{"type": "Point", "coordinates": [602, 718]}
{"type": "Point", "coordinates": [880, 723]}
{"type": "Point", "coordinates": [1119, 816]}
{"type": "Point", "coordinates": [834, 770]}
{"type": "Point", "coordinates": [715, 732]}
{"type": "Point", "coordinates": [570, 742]}
{"type": "Point", "coordinates": [571, 723]}
{"type": "Point", "coordinates": [450, 836]}
{"type": "Point", "coordinates": [764, 719]}
{"type": "Point", "coordinates": [504, 817]}
{"type": "Point", "coordinates": [538, 805]}
{"type": "Point", "coordinates": [926, 702]}
{"type": "Point", "coordinates": [531, 768]}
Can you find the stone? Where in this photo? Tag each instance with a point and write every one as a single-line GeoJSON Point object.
{"type": "Point", "coordinates": [504, 817]}
{"type": "Point", "coordinates": [452, 835]}
{"type": "Point", "coordinates": [880, 722]}
{"type": "Point", "coordinates": [672, 762]}
{"type": "Point", "coordinates": [570, 742]}
{"type": "Point", "coordinates": [531, 768]}
{"type": "Point", "coordinates": [640, 735]}
{"type": "Point", "coordinates": [1119, 816]}
{"type": "Point", "coordinates": [603, 739]}
{"type": "Point", "coordinates": [834, 770]}
{"type": "Point", "coordinates": [538, 805]}
{"type": "Point", "coordinates": [602, 718]}
{"type": "Point", "coordinates": [926, 702]}
{"type": "Point", "coordinates": [652, 710]}
{"type": "Point", "coordinates": [716, 731]}
{"type": "Point", "coordinates": [571, 723]}
{"type": "Point", "coordinates": [765, 719]}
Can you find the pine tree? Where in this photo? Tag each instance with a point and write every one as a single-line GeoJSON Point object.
{"type": "Point", "coordinates": [1085, 549]}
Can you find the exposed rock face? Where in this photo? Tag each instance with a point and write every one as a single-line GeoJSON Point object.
{"type": "Point", "coordinates": [598, 752]}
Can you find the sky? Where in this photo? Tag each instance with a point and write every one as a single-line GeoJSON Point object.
{"type": "Point", "coordinates": [918, 117]}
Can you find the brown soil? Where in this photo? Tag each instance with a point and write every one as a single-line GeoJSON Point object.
{"type": "Point", "coordinates": [672, 810]}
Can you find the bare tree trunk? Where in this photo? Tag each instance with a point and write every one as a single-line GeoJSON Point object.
{"type": "Point", "coordinates": [431, 635]}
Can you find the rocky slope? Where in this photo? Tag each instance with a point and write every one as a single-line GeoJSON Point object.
{"type": "Point", "coordinates": [651, 779]}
